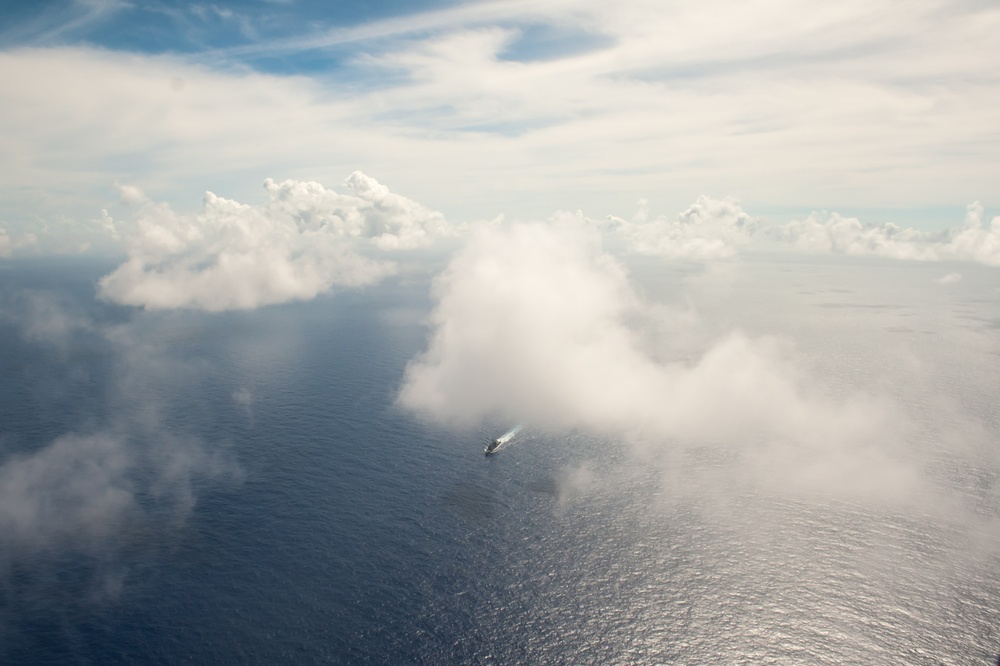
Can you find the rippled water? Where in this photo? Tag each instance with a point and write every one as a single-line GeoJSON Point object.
{"type": "Point", "coordinates": [341, 530]}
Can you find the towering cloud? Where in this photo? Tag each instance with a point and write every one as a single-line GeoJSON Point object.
{"type": "Point", "coordinates": [975, 242]}
{"type": "Point", "coordinates": [304, 241]}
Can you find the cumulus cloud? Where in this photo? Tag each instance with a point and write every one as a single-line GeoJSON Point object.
{"type": "Point", "coordinates": [714, 229]}
{"type": "Point", "coordinates": [950, 278]}
{"type": "Point", "coordinates": [974, 241]}
{"type": "Point", "coordinates": [304, 241]}
{"type": "Point", "coordinates": [539, 324]}
{"type": "Point", "coordinates": [370, 211]}
{"type": "Point", "coordinates": [847, 235]}
{"type": "Point", "coordinates": [708, 229]}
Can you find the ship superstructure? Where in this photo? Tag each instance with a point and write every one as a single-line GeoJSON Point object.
{"type": "Point", "coordinates": [495, 445]}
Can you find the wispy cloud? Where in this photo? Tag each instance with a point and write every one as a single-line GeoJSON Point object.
{"type": "Point", "coordinates": [75, 490]}
{"type": "Point", "coordinates": [117, 470]}
{"type": "Point", "coordinates": [434, 21]}
{"type": "Point", "coordinates": [59, 22]}
{"type": "Point", "coordinates": [785, 105]}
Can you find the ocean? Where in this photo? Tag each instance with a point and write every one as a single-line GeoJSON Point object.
{"type": "Point", "coordinates": [244, 488]}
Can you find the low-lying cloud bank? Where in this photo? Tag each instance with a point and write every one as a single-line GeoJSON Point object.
{"type": "Point", "coordinates": [304, 241]}
{"type": "Point", "coordinates": [708, 229]}
{"type": "Point", "coordinates": [712, 229]}
{"type": "Point", "coordinates": [307, 240]}
{"type": "Point", "coordinates": [538, 323]}
{"type": "Point", "coordinates": [76, 489]}
{"type": "Point", "coordinates": [82, 491]}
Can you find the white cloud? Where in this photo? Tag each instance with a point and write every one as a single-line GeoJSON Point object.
{"type": "Point", "coordinates": [974, 241]}
{"type": "Point", "coordinates": [830, 105]}
{"type": "Point", "coordinates": [10, 243]}
{"type": "Point", "coordinates": [391, 221]}
{"type": "Point", "coordinates": [47, 319]}
{"type": "Point", "coordinates": [575, 483]}
{"type": "Point", "coordinates": [85, 489]}
{"type": "Point", "coordinates": [708, 229]}
{"type": "Point", "coordinates": [847, 235]}
{"type": "Point", "coordinates": [77, 489]}
{"type": "Point", "coordinates": [81, 492]}
{"type": "Point", "coordinates": [950, 278]}
{"type": "Point", "coordinates": [130, 195]}
{"type": "Point", "coordinates": [538, 324]}
{"type": "Point", "coordinates": [243, 397]}
{"type": "Point", "coordinates": [712, 229]}
{"type": "Point", "coordinates": [236, 256]}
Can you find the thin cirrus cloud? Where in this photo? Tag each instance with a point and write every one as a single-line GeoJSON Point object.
{"type": "Point", "coordinates": [304, 241]}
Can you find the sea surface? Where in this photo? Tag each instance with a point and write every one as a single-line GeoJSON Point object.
{"type": "Point", "coordinates": [284, 509]}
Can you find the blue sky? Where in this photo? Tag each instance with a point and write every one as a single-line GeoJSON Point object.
{"type": "Point", "coordinates": [875, 109]}
{"type": "Point", "coordinates": [158, 26]}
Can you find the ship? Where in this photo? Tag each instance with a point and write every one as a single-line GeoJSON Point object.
{"type": "Point", "coordinates": [495, 445]}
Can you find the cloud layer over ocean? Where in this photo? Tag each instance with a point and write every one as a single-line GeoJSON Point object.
{"type": "Point", "coordinates": [308, 239]}
{"type": "Point", "coordinates": [712, 229]}
{"type": "Point", "coordinates": [538, 323]}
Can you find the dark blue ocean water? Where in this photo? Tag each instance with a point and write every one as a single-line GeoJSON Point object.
{"type": "Point", "coordinates": [341, 531]}
{"type": "Point", "coordinates": [316, 522]}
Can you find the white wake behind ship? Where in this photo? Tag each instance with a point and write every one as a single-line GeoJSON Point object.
{"type": "Point", "coordinates": [495, 445]}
